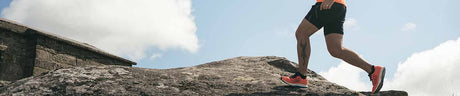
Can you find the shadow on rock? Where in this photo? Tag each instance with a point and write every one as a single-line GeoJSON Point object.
{"type": "Point", "coordinates": [289, 91]}
{"type": "Point", "coordinates": [279, 90]}
{"type": "Point", "coordinates": [387, 93]}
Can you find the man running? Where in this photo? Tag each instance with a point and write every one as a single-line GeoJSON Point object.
{"type": "Point", "coordinates": [329, 14]}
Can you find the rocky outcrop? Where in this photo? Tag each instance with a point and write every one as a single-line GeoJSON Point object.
{"type": "Point", "coordinates": [236, 76]}
{"type": "Point", "coordinates": [4, 83]}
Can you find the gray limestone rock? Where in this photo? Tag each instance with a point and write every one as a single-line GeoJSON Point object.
{"type": "Point", "coordinates": [4, 83]}
{"type": "Point", "coordinates": [233, 77]}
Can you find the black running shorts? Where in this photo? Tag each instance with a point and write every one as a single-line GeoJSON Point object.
{"type": "Point", "coordinates": [332, 19]}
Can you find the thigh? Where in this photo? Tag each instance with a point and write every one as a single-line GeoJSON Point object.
{"type": "Point", "coordinates": [334, 41]}
{"type": "Point", "coordinates": [306, 29]}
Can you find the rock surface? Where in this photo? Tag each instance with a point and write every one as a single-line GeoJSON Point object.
{"type": "Point", "coordinates": [232, 77]}
{"type": "Point", "coordinates": [4, 83]}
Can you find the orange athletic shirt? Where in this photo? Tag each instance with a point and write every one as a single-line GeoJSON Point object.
{"type": "Point", "coordinates": [338, 1]}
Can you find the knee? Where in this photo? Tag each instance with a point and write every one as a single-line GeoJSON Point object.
{"type": "Point", "coordinates": [298, 35]}
{"type": "Point", "coordinates": [301, 35]}
{"type": "Point", "coordinates": [335, 52]}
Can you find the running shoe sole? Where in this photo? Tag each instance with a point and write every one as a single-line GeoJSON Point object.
{"type": "Point", "coordinates": [296, 85]}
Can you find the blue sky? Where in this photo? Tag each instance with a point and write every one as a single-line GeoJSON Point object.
{"type": "Point", "coordinates": [231, 28]}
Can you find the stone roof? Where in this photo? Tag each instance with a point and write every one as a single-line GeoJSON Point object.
{"type": "Point", "coordinates": [21, 29]}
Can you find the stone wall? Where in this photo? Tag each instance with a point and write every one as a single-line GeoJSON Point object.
{"type": "Point", "coordinates": [55, 54]}
{"type": "Point", "coordinates": [25, 52]}
{"type": "Point", "coordinates": [17, 55]}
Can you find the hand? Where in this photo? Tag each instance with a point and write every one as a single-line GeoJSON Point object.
{"type": "Point", "coordinates": [327, 4]}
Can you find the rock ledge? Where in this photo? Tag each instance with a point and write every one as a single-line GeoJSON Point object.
{"type": "Point", "coordinates": [235, 76]}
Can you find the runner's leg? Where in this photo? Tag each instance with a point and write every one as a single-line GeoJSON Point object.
{"type": "Point", "coordinates": [303, 33]}
{"type": "Point", "coordinates": [335, 48]}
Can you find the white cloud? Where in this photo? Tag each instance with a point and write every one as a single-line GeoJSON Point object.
{"type": "Point", "coordinates": [409, 27]}
{"type": "Point", "coordinates": [347, 75]}
{"type": "Point", "coordinates": [288, 32]}
{"type": "Point", "coordinates": [155, 56]}
{"type": "Point", "coordinates": [123, 27]}
{"type": "Point", "coordinates": [351, 24]}
{"type": "Point", "coordinates": [432, 72]}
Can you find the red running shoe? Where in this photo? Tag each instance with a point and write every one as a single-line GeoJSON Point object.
{"type": "Point", "coordinates": [377, 78]}
{"type": "Point", "coordinates": [295, 80]}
